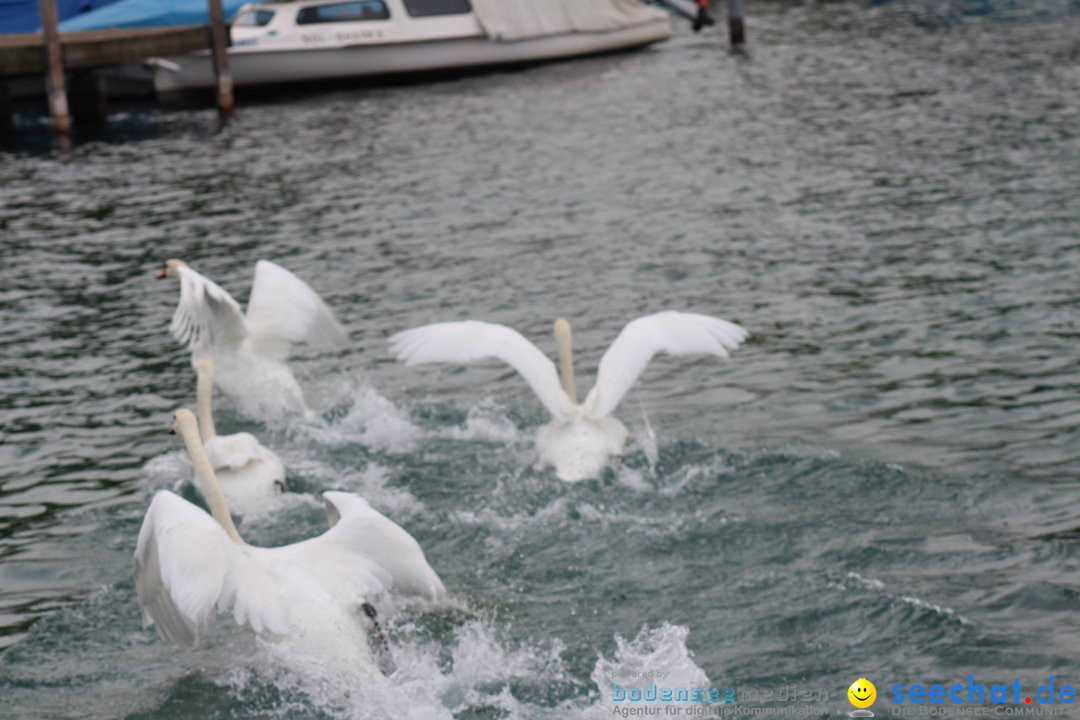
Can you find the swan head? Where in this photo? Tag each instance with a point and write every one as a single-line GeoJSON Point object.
{"type": "Point", "coordinates": [182, 420]}
{"type": "Point", "coordinates": [172, 265]}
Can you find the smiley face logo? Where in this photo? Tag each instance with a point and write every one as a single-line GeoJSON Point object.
{"type": "Point", "coordinates": [862, 693]}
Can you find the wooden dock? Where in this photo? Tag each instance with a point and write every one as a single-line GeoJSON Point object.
{"type": "Point", "coordinates": [54, 55]}
{"type": "Point", "coordinates": [26, 54]}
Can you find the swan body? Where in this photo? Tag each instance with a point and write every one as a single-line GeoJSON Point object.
{"type": "Point", "coordinates": [251, 474]}
{"type": "Point", "coordinates": [187, 569]}
{"type": "Point", "coordinates": [249, 349]}
{"type": "Point", "coordinates": [579, 446]}
{"type": "Point", "coordinates": [581, 436]}
{"type": "Point", "coordinates": [313, 594]}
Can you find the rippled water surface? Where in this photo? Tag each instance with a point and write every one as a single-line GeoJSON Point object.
{"type": "Point", "coordinates": [881, 483]}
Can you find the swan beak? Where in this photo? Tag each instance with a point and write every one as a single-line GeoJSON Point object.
{"type": "Point", "coordinates": [163, 273]}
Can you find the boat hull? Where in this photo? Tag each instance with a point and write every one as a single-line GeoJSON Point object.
{"type": "Point", "coordinates": [180, 75]}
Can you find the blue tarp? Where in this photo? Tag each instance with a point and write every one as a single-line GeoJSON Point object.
{"type": "Point", "coordinates": [22, 16]}
{"type": "Point", "coordinates": [148, 13]}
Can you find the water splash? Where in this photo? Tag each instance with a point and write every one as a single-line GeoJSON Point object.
{"type": "Point", "coordinates": [365, 417]}
{"type": "Point", "coordinates": [487, 420]}
{"type": "Point", "coordinates": [636, 664]}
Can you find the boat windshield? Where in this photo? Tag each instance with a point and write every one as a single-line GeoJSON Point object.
{"type": "Point", "coordinates": [253, 18]}
{"type": "Point", "coordinates": [343, 12]}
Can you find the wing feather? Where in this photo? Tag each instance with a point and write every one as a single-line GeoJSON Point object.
{"type": "Point", "coordinates": [674, 333]}
{"type": "Point", "coordinates": [252, 592]}
{"type": "Point", "coordinates": [283, 310]}
{"type": "Point", "coordinates": [333, 561]}
{"type": "Point", "coordinates": [471, 341]}
{"type": "Point", "coordinates": [181, 563]}
{"type": "Point", "coordinates": [207, 317]}
{"type": "Point", "coordinates": [187, 570]}
{"type": "Point", "coordinates": [364, 530]}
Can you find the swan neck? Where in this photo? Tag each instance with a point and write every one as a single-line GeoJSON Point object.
{"type": "Point", "coordinates": [205, 397]}
{"type": "Point", "coordinates": [564, 342]}
{"type": "Point", "coordinates": [208, 482]}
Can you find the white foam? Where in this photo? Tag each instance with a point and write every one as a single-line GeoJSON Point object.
{"type": "Point", "coordinates": [686, 475]}
{"type": "Point", "coordinates": [271, 509]}
{"type": "Point", "coordinates": [946, 611]}
{"type": "Point", "coordinates": [645, 437]}
{"type": "Point", "coordinates": [429, 682]}
{"type": "Point", "coordinates": [472, 674]}
{"type": "Point", "coordinates": [664, 649]}
{"type": "Point", "coordinates": [487, 421]}
{"type": "Point", "coordinates": [258, 388]}
{"type": "Point", "coordinates": [682, 477]}
{"type": "Point", "coordinates": [654, 524]}
{"type": "Point", "coordinates": [879, 586]}
{"type": "Point", "coordinates": [168, 470]}
{"type": "Point", "coordinates": [557, 509]}
{"type": "Point", "coordinates": [371, 419]}
{"type": "Point", "coordinates": [632, 479]}
{"type": "Point", "coordinates": [872, 583]}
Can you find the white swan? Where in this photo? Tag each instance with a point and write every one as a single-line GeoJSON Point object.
{"type": "Point", "coordinates": [312, 594]}
{"type": "Point", "coordinates": [249, 350]}
{"type": "Point", "coordinates": [582, 436]}
{"type": "Point", "coordinates": [250, 473]}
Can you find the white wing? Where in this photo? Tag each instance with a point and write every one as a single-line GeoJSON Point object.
{"type": "Point", "coordinates": [206, 317]}
{"type": "Point", "coordinates": [339, 561]}
{"type": "Point", "coordinates": [187, 569]}
{"type": "Point", "coordinates": [375, 536]}
{"type": "Point", "coordinates": [283, 309]}
{"type": "Point", "coordinates": [470, 341]}
{"type": "Point", "coordinates": [674, 333]}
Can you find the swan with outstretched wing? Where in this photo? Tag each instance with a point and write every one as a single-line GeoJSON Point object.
{"type": "Point", "coordinates": [580, 437]}
{"type": "Point", "coordinates": [315, 594]}
{"type": "Point", "coordinates": [249, 349]}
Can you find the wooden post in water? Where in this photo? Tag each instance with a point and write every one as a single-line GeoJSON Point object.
{"type": "Point", "coordinates": [736, 31]}
{"type": "Point", "coordinates": [220, 41]}
{"type": "Point", "coordinates": [58, 105]}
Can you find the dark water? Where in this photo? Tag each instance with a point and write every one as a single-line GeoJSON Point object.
{"type": "Point", "coordinates": [882, 483]}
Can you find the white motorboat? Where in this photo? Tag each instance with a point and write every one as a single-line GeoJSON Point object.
{"type": "Point", "coordinates": [312, 40]}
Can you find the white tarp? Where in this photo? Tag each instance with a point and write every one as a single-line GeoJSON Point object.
{"type": "Point", "coordinates": [521, 19]}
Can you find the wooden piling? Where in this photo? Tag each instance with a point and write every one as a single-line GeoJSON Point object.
{"type": "Point", "coordinates": [43, 54]}
{"type": "Point", "coordinates": [736, 30]}
{"type": "Point", "coordinates": [58, 105]}
{"type": "Point", "coordinates": [220, 41]}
